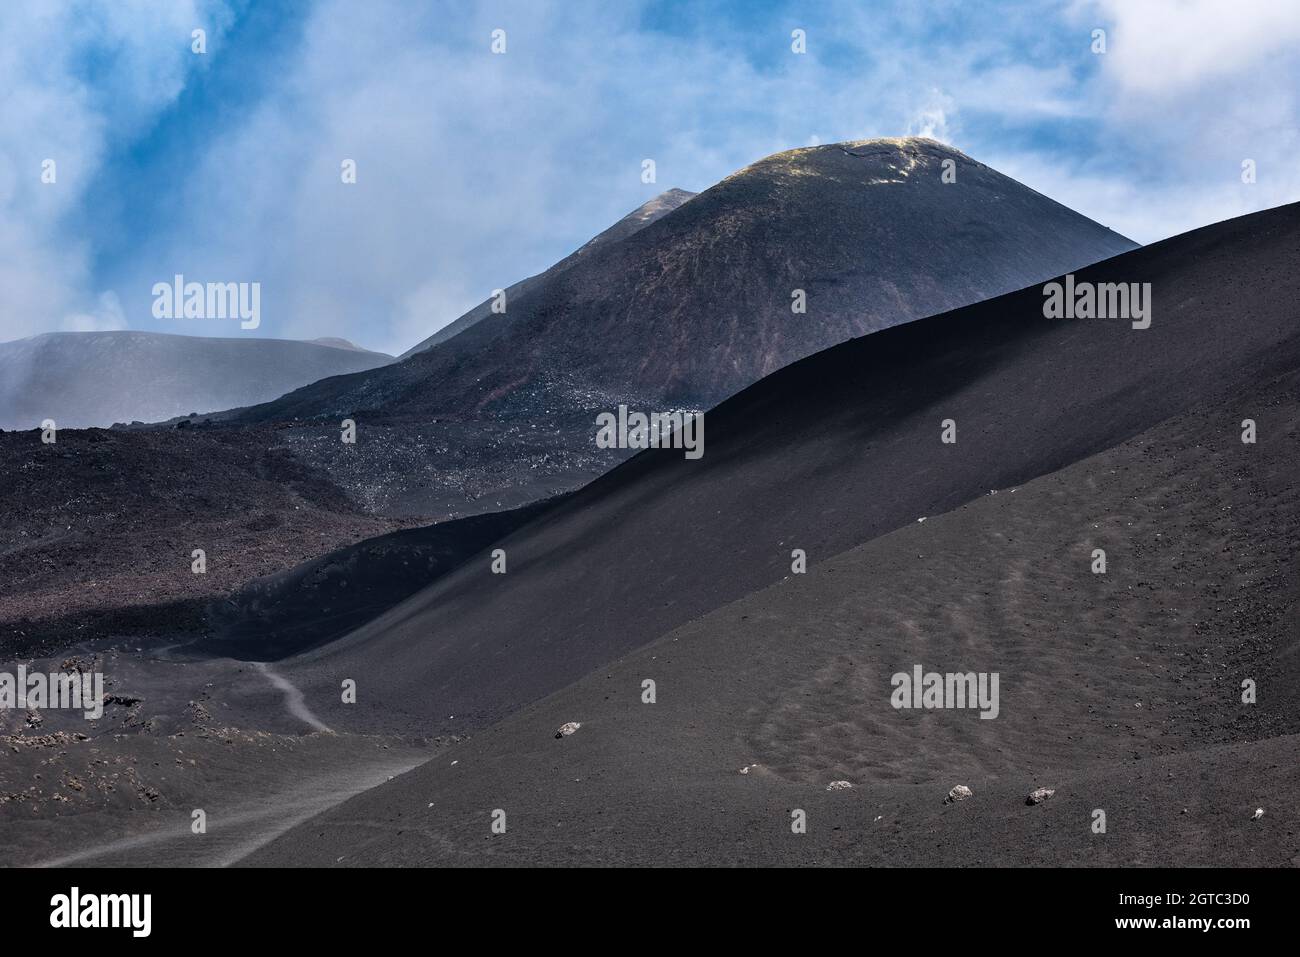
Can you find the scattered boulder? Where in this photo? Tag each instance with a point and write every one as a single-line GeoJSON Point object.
{"type": "Point", "coordinates": [1039, 795]}
{"type": "Point", "coordinates": [960, 793]}
{"type": "Point", "coordinates": [839, 786]}
{"type": "Point", "coordinates": [567, 729]}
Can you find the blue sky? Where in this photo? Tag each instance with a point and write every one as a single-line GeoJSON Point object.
{"type": "Point", "coordinates": [476, 169]}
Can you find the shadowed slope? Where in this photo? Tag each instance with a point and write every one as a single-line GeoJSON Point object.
{"type": "Point", "coordinates": [310, 604]}
{"type": "Point", "coordinates": [98, 530]}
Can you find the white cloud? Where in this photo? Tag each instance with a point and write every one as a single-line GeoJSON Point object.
{"type": "Point", "coordinates": [476, 170]}
{"type": "Point", "coordinates": [50, 109]}
{"type": "Point", "coordinates": [1144, 212]}
{"type": "Point", "coordinates": [1158, 48]}
{"type": "Point", "coordinates": [473, 170]}
{"type": "Point", "coordinates": [1186, 91]}
{"type": "Point", "coordinates": [931, 119]}
{"type": "Point", "coordinates": [107, 316]}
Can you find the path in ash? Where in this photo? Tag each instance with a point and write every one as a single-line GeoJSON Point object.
{"type": "Point", "coordinates": [233, 835]}
{"type": "Point", "coordinates": [292, 697]}
{"type": "Point", "coordinates": [238, 831]}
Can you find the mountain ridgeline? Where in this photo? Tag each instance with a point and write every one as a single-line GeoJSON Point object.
{"type": "Point", "coordinates": [796, 253]}
{"type": "Point", "coordinates": [639, 218]}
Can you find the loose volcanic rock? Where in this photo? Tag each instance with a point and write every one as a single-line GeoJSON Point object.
{"type": "Point", "coordinates": [960, 793]}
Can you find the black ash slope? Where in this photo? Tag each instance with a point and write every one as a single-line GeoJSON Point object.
{"type": "Point", "coordinates": [1121, 692]}
{"type": "Point", "coordinates": [827, 454]}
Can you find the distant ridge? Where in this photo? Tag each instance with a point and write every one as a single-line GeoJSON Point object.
{"type": "Point", "coordinates": [82, 379]}
{"type": "Point", "coordinates": [335, 342]}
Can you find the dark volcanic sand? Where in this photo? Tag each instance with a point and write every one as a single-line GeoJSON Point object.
{"type": "Point", "coordinates": [1121, 691]}
{"type": "Point", "coordinates": [823, 456]}
{"type": "Point", "coordinates": [673, 570]}
{"type": "Point", "coordinates": [176, 735]}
